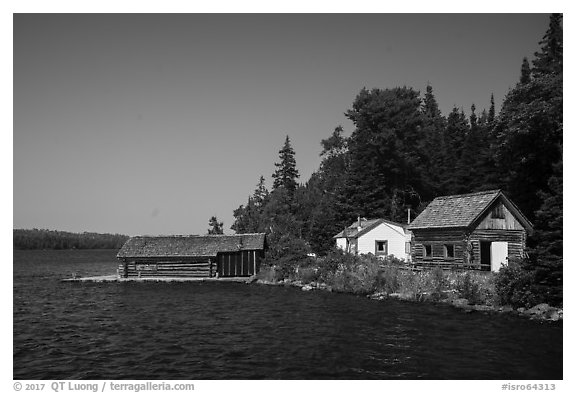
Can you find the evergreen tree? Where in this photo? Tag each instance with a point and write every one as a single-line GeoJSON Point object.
{"type": "Point", "coordinates": [529, 128]}
{"type": "Point", "coordinates": [216, 228]}
{"type": "Point", "coordinates": [260, 193]}
{"type": "Point", "coordinates": [432, 146]}
{"type": "Point", "coordinates": [454, 179]}
{"type": "Point", "coordinates": [322, 212]}
{"type": "Point", "coordinates": [549, 59]}
{"type": "Point", "coordinates": [248, 219]}
{"type": "Point", "coordinates": [384, 159]}
{"type": "Point", "coordinates": [491, 111]}
{"type": "Point", "coordinates": [525, 72]}
{"type": "Point", "coordinates": [286, 172]}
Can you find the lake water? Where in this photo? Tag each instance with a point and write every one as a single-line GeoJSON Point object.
{"type": "Point", "coordinates": [194, 331]}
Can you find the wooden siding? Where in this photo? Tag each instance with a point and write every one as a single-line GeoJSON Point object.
{"type": "Point", "coordinates": [437, 239]}
{"type": "Point", "coordinates": [239, 264]}
{"type": "Point", "coordinates": [516, 241]}
{"type": "Point", "coordinates": [508, 222]}
{"type": "Point", "coordinates": [231, 264]}
{"type": "Point", "coordinates": [157, 267]}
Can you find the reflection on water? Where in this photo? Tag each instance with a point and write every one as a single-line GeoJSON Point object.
{"type": "Point", "coordinates": [238, 331]}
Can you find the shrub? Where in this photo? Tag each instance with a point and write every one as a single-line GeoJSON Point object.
{"type": "Point", "coordinates": [387, 279]}
{"type": "Point", "coordinates": [355, 274]}
{"type": "Point", "coordinates": [287, 253]}
{"type": "Point", "coordinates": [514, 286]}
{"type": "Point", "coordinates": [269, 273]}
{"type": "Point", "coordinates": [307, 274]}
{"type": "Point", "coordinates": [469, 289]}
{"type": "Point", "coordinates": [439, 283]}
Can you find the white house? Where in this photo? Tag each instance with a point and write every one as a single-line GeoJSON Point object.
{"type": "Point", "coordinates": [379, 237]}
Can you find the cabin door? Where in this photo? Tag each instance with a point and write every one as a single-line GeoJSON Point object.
{"type": "Point", "coordinates": [485, 258]}
{"type": "Point", "coordinates": [499, 255]}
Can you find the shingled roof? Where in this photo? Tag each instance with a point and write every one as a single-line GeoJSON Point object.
{"type": "Point", "coordinates": [190, 246]}
{"type": "Point", "coordinates": [460, 211]}
{"type": "Point", "coordinates": [365, 227]}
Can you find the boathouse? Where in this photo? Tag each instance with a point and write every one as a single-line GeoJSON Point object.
{"type": "Point", "coordinates": [378, 236]}
{"type": "Point", "coordinates": [192, 256]}
{"type": "Point", "coordinates": [483, 230]}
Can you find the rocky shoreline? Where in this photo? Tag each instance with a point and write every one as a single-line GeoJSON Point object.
{"type": "Point", "coordinates": [542, 312]}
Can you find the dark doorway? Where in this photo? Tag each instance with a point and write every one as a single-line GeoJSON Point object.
{"type": "Point", "coordinates": [485, 255]}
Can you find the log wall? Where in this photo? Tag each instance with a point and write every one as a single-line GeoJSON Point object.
{"type": "Point", "coordinates": [437, 239]}
{"type": "Point", "coordinates": [243, 263]}
{"type": "Point", "coordinates": [156, 267]}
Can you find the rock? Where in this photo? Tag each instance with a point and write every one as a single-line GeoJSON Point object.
{"type": "Point", "coordinates": [425, 297]}
{"type": "Point", "coordinates": [540, 309]}
{"type": "Point", "coordinates": [505, 309]}
{"type": "Point", "coordinates": [251, 280]}
{"type": "Point", "coordinates": [483, 307]}
{"type": "Point", "coordinates": [307, 287]}
{"type": "Point", "coordinates": [460, 302]}
{"type": "Point", "coordinates": [402, 296]}
{"type": "Point", "coordinates": [553, 315]}
{"type": "Point", "coordinates": [377, 296]}
{"type": "Point", "coordinates": [521, 310]}
{"type": "Point", "coordinates": [297, 283]}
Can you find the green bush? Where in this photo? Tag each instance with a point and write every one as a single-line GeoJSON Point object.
{"type": "Point", "coordinates": [307, 274]}
{"type": "Point", "coordinates": [355, 274]}
{"type": "Point", "coordinates": [388, 279]}
{"type": "Point", "coordinates": [469, 289]}
{"type": "Point", "coordinates": [439, 283]}
{"type": "Point", "coordinates": [514, 286]}
{"type": "Point", "coordinates": [269, 273]}
{"type": "Point", "coordinates": [287, 253]}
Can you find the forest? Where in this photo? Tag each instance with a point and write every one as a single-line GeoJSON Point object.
{"type": "Point", "coordinates": [404, 152]}
{"type": "Point", "coordinates": [33, 239]}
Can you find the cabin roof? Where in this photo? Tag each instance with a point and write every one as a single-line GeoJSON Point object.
{"type": "Point", "coordinates": [190, 246]}
{"type": "Point", "coordinates": [365, 227]}
{"type": "Point", "coordinates": [461, 211]}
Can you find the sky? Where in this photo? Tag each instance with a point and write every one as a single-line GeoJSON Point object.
{"type": "Point", "coordinates": [149, 124]}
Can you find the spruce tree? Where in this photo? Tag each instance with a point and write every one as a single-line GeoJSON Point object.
{"type": "Point", "coordinates": [549, 59]}
{"type": "Point", "coordinates": [525, 72]}
{"type": "Point", "coordinates": [492, 110]}
{"type": "Point", "coordinates": [216, 228]}
{"type": "Point", "coordinates": [432, 145]}
{"type": "Point", "coordinates": [454, 178]}
{"type": "Point", "coordinates": [286, 173]}
{"type": "Point", "coordinates": [530, 124]}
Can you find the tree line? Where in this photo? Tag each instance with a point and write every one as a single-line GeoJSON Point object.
{"type": "Point", "coordinates": [34, 239]}
{"type": "Point", "coordinates": [404, 152]}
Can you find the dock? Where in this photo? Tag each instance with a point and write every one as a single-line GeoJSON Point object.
{"type": "Point", "coordinates": [115, 278]}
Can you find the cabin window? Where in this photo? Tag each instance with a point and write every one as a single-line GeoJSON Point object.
{"type": "Point", "coordinates": [498, 211]}
{"type": "Point", "coordinates": [448, 250]}
{"type": "Point", "coordinates": [427, 250]}
{"type": "Point", "coordinates": [381, 247]}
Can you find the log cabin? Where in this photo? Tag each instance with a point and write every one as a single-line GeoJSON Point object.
{"type": "Point", "coordinates": [482, 230]}
{"type": "Point", "coordinates": [192, 256]}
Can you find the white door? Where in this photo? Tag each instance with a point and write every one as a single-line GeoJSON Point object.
{"type": "Point", "coordinates": [498, 255]}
